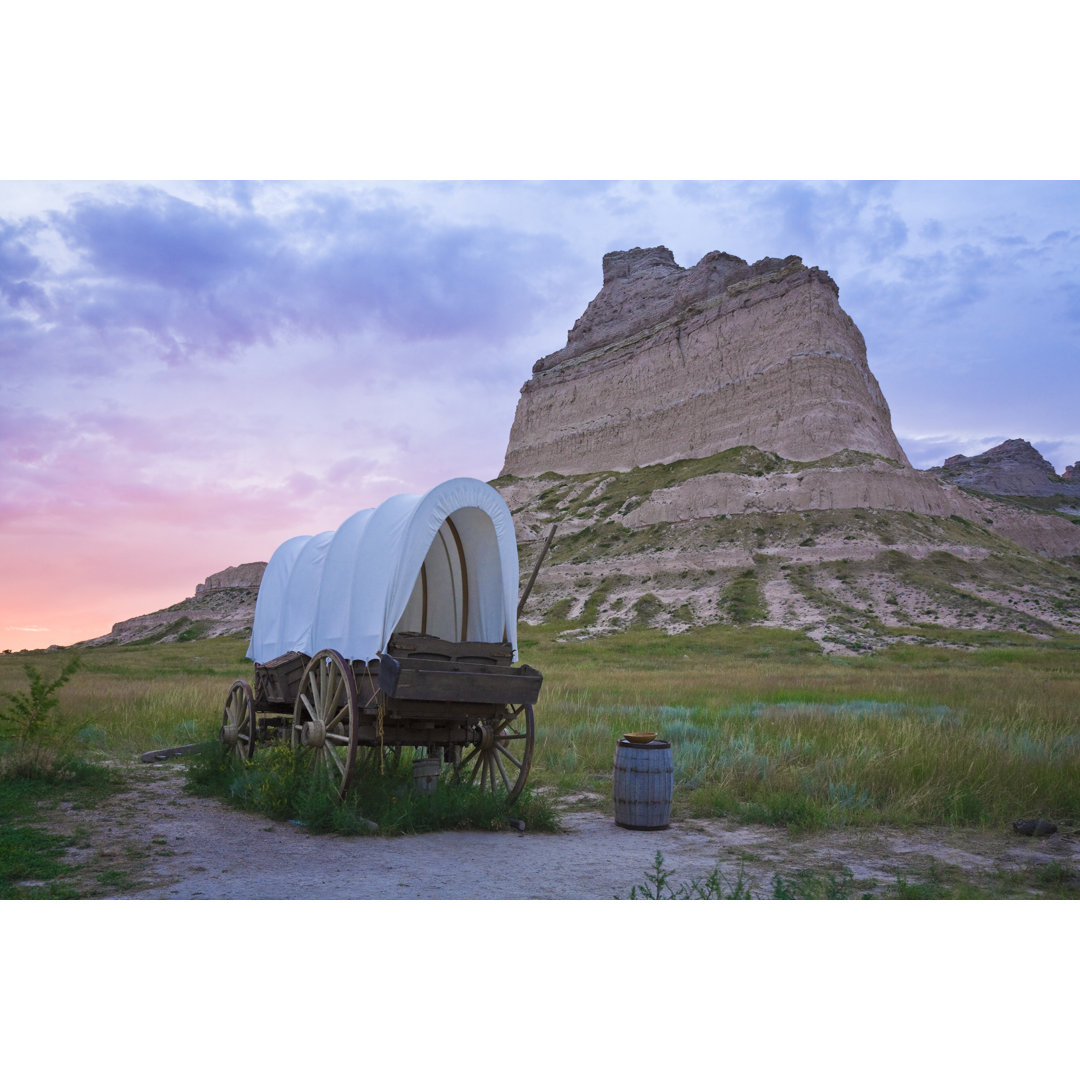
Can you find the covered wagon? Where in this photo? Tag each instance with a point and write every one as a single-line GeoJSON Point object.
{"type": "Point", "coordinates": [397, 629]}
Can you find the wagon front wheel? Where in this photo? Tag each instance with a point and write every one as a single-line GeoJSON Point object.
{"type": "Point", "coordinates": [326, 718]}
{"type": "Point", "coordinates": [501, 754]}
{"type": "Point", "coordinates": [237, 732]}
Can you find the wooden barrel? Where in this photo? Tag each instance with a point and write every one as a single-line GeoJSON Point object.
{"type": "Point", "coordinates": [643, 784]}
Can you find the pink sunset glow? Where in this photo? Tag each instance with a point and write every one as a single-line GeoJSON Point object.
{"type": "Point", "coordinates": [193, 373]}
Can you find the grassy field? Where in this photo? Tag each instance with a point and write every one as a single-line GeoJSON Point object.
{"type": "Point", "coordinates": [763, 727]}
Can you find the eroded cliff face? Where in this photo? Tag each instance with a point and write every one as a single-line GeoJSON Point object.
{"type": "Point", "coordinates": [669, 363]}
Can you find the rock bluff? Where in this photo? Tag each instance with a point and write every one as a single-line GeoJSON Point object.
{"type": "Point", "coordinates": [1014, 467]}
{"type": "Point", "coordinates": [669, 363]}
{"type": "Point", "coordinates": [245, 576]}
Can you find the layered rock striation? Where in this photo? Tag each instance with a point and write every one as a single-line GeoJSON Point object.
{"type": "Point", "coordinates": [669, 363]}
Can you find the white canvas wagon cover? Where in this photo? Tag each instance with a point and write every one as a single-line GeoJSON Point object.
{"type": "Point", "coordinates": [444, 564]}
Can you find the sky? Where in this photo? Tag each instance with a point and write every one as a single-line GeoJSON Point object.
{"type": "Point", "coordinates": [195, 372]}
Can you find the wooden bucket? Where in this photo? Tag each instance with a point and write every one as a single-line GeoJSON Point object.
{"type": "Point", "coordinates": [643, 784]}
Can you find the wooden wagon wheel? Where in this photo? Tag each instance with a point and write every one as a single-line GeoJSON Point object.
{"type": "Point", "coordinates": [326, 718]}
{"type": "Point", "coordinates": [237, 732]}
{"type": "Point", "coordinates": [501, 755]}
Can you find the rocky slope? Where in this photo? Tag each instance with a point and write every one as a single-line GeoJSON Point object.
{"type": "Point", "coordinates": [855, 556]}
{"type": "Point", "coordinates": [223, 604]}
{"type": "Point", "coordinates": [668, 363]}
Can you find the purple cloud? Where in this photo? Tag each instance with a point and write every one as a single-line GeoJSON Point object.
{"type": "Point", "coordinates": [162, 240]}
{"type": "Point", "coordinates": [186, 279]}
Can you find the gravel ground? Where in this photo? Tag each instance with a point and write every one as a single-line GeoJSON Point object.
{"type": "Point", "coordinates": [166, 844]}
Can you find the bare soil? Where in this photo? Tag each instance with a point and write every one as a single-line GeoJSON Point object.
{"type": "Point", "coordinates": [155, 841]}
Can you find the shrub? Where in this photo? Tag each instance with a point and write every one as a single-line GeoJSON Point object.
{"type": "Point", "coordinates": [26, 717]}
{"type": "Point", "coordinates": [714, 887]}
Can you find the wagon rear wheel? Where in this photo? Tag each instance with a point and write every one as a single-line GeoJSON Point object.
{"type": "Point", "coordinates": [501, 755]}
{"type": "Point", "coordinates": [237, 732]}
{"type": "Point", "coordinates": [326, 718]}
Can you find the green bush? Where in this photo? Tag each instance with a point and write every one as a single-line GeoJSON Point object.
{"type": "Point", "coordinates": [26, 719]}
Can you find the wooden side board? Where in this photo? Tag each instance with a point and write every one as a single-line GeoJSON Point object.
{"type": "Point", "coordinates": [423, 679]}
{"type": "Point", "coordinates": [278, 681]}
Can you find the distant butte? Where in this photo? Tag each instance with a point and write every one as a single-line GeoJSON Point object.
{"type": "Point", "coordinates": [1014, 467]}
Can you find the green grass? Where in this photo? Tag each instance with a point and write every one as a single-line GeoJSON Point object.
{"type": "Point", "coordinates": [127, 699]}
{"type": "Point", "coordinates": [275, 783]}
{"type": "Point", "coordinates": [1050, 881]}
{"type": "Point", "coordinates": [764, 728]}
{"type": "Point", "coordinates": [743, 600]}
{"type": "Point", "coordinates": [31, 857]}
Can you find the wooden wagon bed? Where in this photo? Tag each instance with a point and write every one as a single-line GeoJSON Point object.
{"type": "Point", "coordinates": [464, 701]}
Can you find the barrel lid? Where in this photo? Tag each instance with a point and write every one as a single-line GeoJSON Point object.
{"type": "Point", "coordinates": [656, 744]}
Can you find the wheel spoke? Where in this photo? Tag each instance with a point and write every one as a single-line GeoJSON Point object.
{"type": "Point", "coordinates": [502, 771]}
{"type": "Point", "coordinates": [331, 704]}
{"type": "Point", "coordinates": [307, 706]}
{"type": "Point", "coordinates": [502, 750]}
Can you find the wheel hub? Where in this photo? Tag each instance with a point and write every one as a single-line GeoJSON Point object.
{"type": "Point", "coordinates": [313, 734]}
{"type": "Point", "coordinates": [230, 734]}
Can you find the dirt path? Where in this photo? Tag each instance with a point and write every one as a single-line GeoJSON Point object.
{"type": "Point", "coordinates": [154, 841]}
